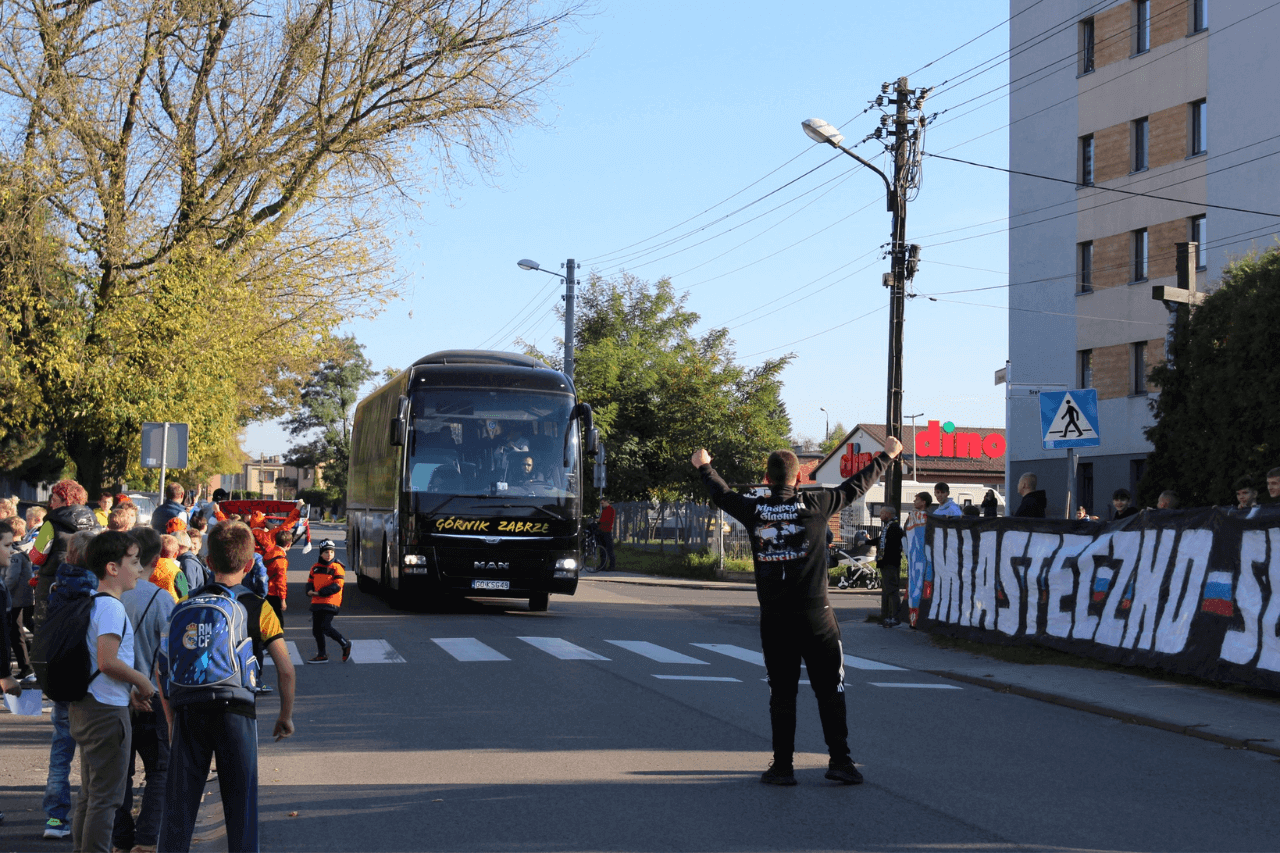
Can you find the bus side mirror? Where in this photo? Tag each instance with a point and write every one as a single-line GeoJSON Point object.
{"type": "Point", "coordinates": [593, 442]}
{"type": "Point", "coordinates": [400, 423]}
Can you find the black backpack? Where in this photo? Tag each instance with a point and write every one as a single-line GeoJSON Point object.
{"type": "Point", "coordinates": [60, 654]}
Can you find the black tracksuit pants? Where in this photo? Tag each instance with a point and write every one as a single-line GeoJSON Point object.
{"type": "Point", "coordinates": [322, 626]}
{"type": "Point", "coordinates": [814, 637]}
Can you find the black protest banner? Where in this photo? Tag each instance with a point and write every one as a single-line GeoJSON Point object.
{"type": "Point", "coordinates": [1188, 591]}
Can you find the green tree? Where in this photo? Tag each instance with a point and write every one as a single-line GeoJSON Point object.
{"type": "Point", "coordinates": [659, 391]}
{"type": "Point", "coordinates": [327, 401]}
{"type": "Point", "coordinates": [193, 194]}
{"type": "Point", "coordinates": [833, 439]}
{"type": "Point", "coordinates": [1212, 422]}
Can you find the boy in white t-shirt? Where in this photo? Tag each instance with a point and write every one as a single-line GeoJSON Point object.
{"type": "Point", "coordinates": [100, 721]}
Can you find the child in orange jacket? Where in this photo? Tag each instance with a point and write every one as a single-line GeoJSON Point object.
{"type": "Point", "coordinates": [324, 588]}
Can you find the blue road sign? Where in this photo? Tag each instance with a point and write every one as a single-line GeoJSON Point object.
{"type": "Point", "coordinates": [1069, 418]}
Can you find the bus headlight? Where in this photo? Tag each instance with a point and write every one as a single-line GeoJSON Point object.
{"type": "Point", "coordinates": [416, 564]}
{"type": "Point", "coordinates": [566, 567]}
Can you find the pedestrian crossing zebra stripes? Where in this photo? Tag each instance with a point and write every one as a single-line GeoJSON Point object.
{"type": "Point", "coordinates": [473, 650]}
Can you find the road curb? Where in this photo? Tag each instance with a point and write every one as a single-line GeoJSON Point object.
{"type": "Point", "coordinates": [672, 582]}
{"type": "Point", "coordinates": [1193, 730]}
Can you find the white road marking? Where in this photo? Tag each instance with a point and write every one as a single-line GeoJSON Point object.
{"type": "Point", "coordinates": [468, 649]}
{"type": "Point", "coordinates": [373, 651]}
{"type": "Point", "coordinates": [294, 655]}
{"type": "Point", "coordinates": [697, 678]}
{"type": "Point", "coordinates": [733, 651]}
{"type": "Point", "coordinates": [917, 686]}
{"type": "Point", "coordinates": [562, 649]}
{"type": "Point", "coordinates": [863, 663]}
{"type": "Point", "coordinates": [655, 652]}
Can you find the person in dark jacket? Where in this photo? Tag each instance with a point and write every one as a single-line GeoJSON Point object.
{"type": "Point", "coordinates": [990, 504]}
{"type": "Point", "coordinates": [67, 516]}
{"type": "Point", "coordinates": [889, 562]}
{"type": "Point", "coordinates": [171, 508]}
{"type": "Point", "coordinates": [788, 532]}
{"type": "Point", "coordinates": [1121, 501]}
{"type": "Point", "coordinates": [1034, 501]}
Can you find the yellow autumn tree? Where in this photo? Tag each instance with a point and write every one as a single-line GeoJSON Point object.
{"type": "Point", "coordinates": [192, 195]}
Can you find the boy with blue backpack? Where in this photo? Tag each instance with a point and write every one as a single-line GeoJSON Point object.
{"type": "Point", "coordinates": [210, 680]}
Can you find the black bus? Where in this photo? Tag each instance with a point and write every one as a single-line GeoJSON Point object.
{"type": "Point", "coordinates": [466, 480]}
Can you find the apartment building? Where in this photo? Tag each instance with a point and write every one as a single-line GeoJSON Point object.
{"type": "Point", "coordinates": [1166, 114]}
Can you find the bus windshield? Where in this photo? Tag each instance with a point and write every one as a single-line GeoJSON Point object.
{"type": "Point", "coordinates": [482, 442]}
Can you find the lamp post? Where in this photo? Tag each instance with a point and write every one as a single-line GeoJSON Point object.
{"type": "Point", "coordinates": [826, 435]}
{"type": "Point", "coordinates": [915, 465]}
{"type": "Point", "coordinates": [569, 288]}
{"type": "Point", "coordinates": [895, 198]}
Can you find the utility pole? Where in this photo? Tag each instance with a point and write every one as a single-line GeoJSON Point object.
{"type": "Point", "coordinates": [908, 144]}
{"type": "Point", "coordinates": [906, 167]}
{"type": "Point", "coordinates": [570, 288]}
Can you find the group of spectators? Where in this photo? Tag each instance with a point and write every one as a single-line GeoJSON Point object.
{"type": "Point", "coordinates": [137, 575]}
{"type": "Point", "coordinates": [1034, 502]}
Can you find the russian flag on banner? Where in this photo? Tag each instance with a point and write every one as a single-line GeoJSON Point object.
{"type": "Point", "coordinates": [1101, 584]}
{"type": "Point", "coordinates": [1217, 594]}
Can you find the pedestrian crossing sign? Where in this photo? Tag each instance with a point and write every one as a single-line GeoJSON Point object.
{"type": "Point", "coordinates": [1070, 418]}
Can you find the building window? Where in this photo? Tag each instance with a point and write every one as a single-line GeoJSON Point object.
{"type": "Point", "coordinates": [1084, 485]}
{"type": "Point", "coordinates": [1138, 361]}
{"type": "Point", "coordinates": [1141, 26]}
{"type": "Point", "coordinates": [268, 476]}
{"type": "Point", "coordinates": [1086, 45]}
{"type": "Point", "coordinates": [1199, 15]}
{"type": "Point", "coordinates": [1140, 145]}
{"type": "Point", "coordinates": [1086, 160]}
{"type": "Point", "coordinates": [1199, 134]}
{"type": "Point", "coordinates": [1085, 259]}
{"type": "Point", "coordinates": [1137, 470]}
{"type": "Point", "coordinates": [1086, 368]}
{"type": "Point", "coordinates": [1140, 255]}
{"type": "Point", "coordinates": [1198, 235]}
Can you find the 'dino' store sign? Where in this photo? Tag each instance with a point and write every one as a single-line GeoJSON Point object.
{"type": "Point", "coordinates": [937, 440]}
{"type": "Point", "coordinates": [944, 440]}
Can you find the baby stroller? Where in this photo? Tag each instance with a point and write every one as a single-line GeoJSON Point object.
{"type": "Point", "coordinates": [859, 568]}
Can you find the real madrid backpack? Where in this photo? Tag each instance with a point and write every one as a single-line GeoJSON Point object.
{"type": "Point", "coordinates": [208, 653]}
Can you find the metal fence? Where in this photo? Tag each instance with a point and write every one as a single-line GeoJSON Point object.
{"type": "Point", "coordinates": [687, 526]}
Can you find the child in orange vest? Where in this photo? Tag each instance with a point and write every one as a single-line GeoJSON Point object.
{"type": "Point", "coordinates": [324, 588]}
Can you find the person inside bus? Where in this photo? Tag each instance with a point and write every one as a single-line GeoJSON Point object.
{"type": "Point", "coordinates": [522, 475]}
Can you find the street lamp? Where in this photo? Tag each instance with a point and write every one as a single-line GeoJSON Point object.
{"type": "Point", "coordinates": [821, 131]}
{"type": "Point", "coordinates": [569, 286]}
{"type": "Point", "coordinates": [915, 466]}
{"type": "Point", "coordinates": [826, 436]}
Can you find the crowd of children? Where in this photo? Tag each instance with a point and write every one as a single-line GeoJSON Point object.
{"type": "Point", "coordinates": [141, 593]}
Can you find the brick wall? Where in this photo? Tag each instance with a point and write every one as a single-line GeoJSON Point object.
{"type": "Point", "coordinates": [1162, 257]}
{"type": "Point", "coordinates": [1170, 21]}
{"type": "Point", "coordinates": [1111, 367]}
{"type": "Point", "coordinates": [1168, 142]}
{"type": "Point", "coordinates": [1112, 264]}
{"type": "Point", "coordinates": [1114, 34]}
{"type": "Point", "coordinates": [1111, 153]}
{"type": "Point", "coordinates": [1111, 371]}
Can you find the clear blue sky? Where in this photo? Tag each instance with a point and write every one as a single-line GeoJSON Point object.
{"type": "Point", "coordinates": [675, 108]}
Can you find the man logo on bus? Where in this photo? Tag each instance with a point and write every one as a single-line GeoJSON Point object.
{"type": "Point", "coordinates": [939, 439]}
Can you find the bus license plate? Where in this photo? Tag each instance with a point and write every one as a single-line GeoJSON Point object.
{"type": "Point", "coordinates": [478, 584]}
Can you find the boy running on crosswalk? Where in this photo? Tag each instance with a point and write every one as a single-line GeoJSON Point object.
{"type": "Point", "coordinates": [324, 588]}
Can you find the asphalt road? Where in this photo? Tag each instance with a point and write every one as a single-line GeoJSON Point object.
{"type": "Point", "coordinates": [634, 718]}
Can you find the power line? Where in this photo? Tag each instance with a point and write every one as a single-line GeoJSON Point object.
{"type": "Point", "coordinates": [1114, 189]}
{"type": "Point", "coordinates": [819, 334]}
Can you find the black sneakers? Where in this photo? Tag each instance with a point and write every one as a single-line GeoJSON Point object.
{"type": "Point", "coordinates": [843, 772]}
{"type": "Point", "coordinates": [779, 774]}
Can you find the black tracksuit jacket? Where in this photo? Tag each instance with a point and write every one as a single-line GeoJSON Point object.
{"type": "Point", "coordinates": [788, 533]}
